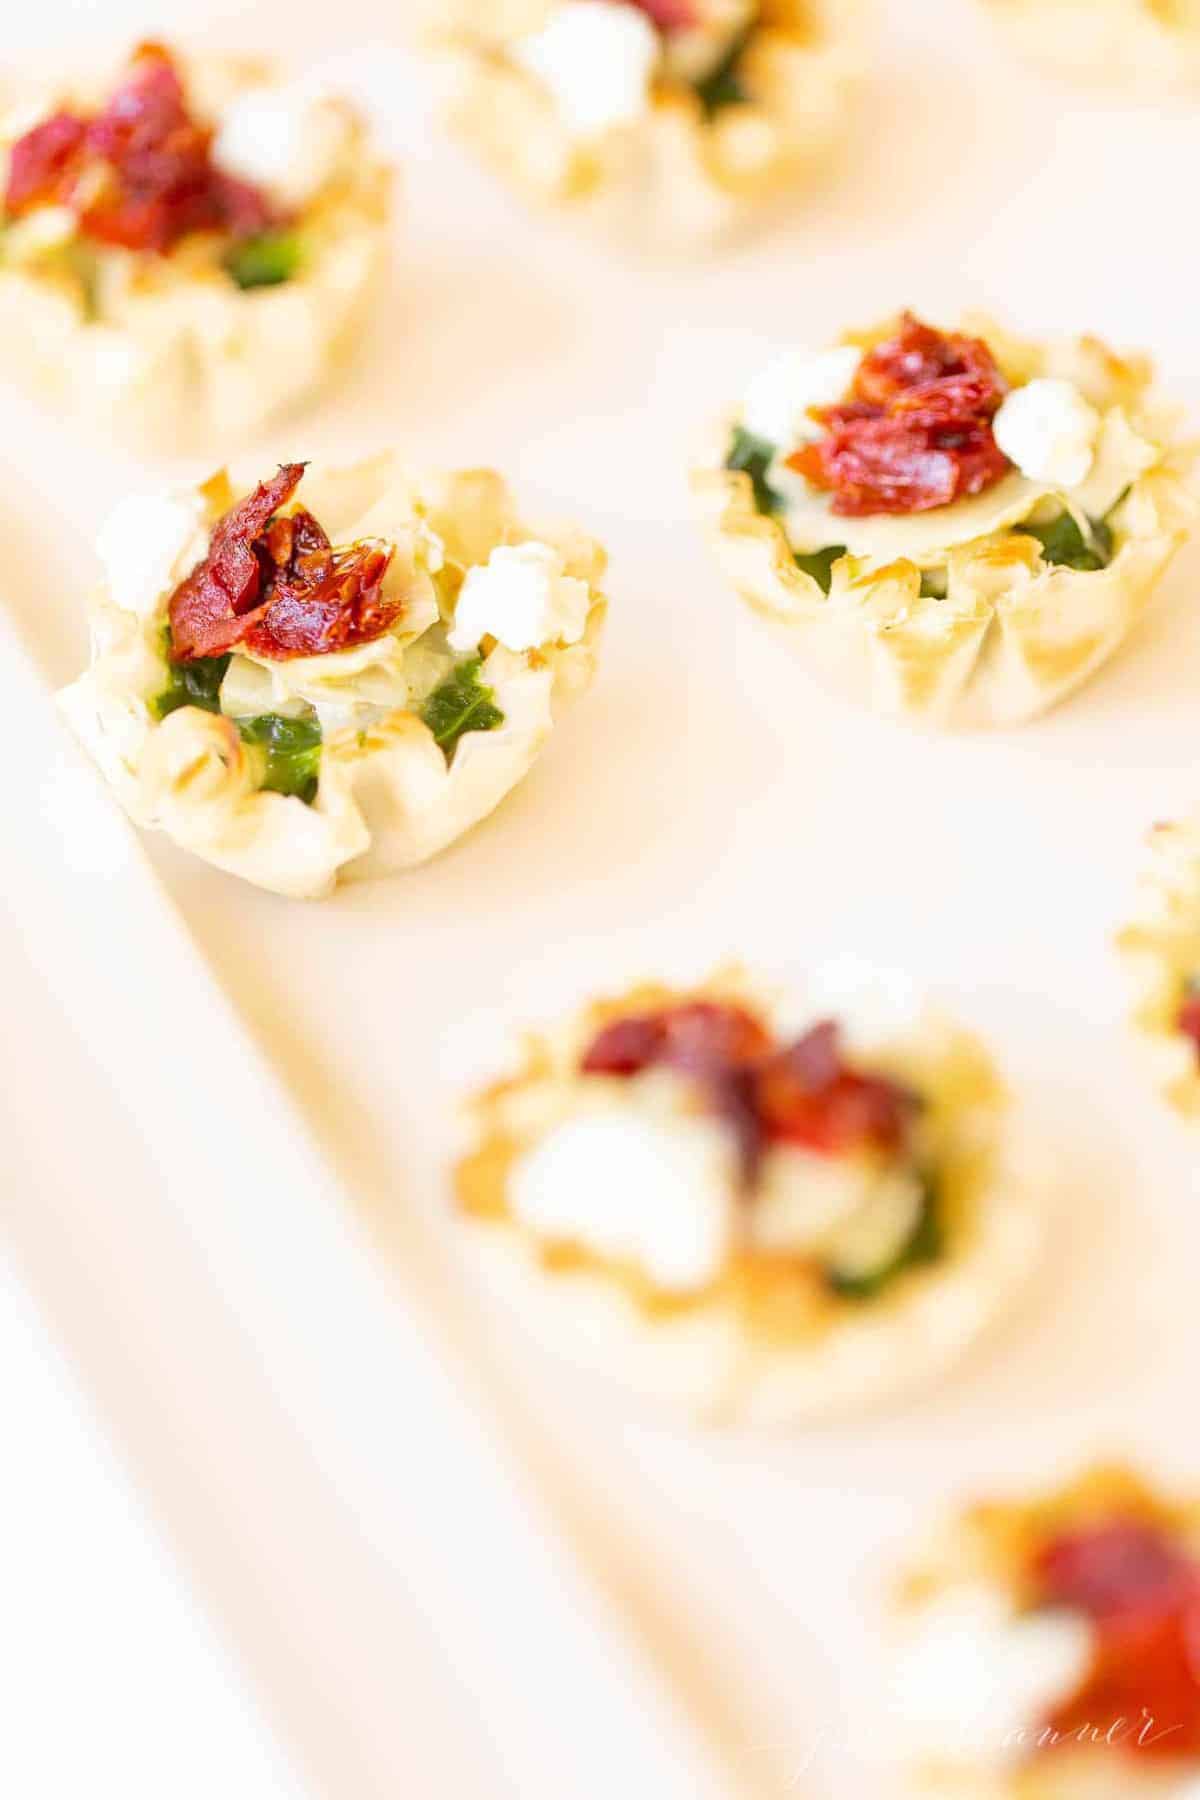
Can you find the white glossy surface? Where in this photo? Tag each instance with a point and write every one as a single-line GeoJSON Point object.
{"type": "Point", "coordinates": [705, 800]}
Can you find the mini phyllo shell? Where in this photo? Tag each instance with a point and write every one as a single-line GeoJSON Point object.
{"type": "Point", "coordinates": [187, 249]}
{"type": "Point", "coordinates": [332, 674]}
{"type": "Point", "coordinates": [1161, 948]}
{"type": "Point", "coordinates": [957, 528]}
{"type": "Point", "coordinates": [1048, 1648]}
{"type": "Point", "coordinates": [1147, 45]}
{"type": "Point", "coordinates": [669, 121]}
{"type": "Point", "coordinates": [742, 1219]}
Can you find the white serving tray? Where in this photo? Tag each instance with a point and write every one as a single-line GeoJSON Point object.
{"type": "Point", "coordinates": [707, 801]}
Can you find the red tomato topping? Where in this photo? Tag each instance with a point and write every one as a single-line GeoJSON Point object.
{"type": "Point", "coordinates": [804, 1094]}
{"type": "Point", "coordinates": [1142, 1593]}
{"type": "Point", "coordinates": [278, 586]}
{"type": "Point", "coordinates": [808, 1095]}
{"type": "Point", "coordinates": [139, 173]}
{"type": "Point", "coordinates": [1189, 1020]}
{"type": "Point", "coordinates": [701, 1032]}
{"type": "Point", "coordinates": [916, 429]}
{"type": "Point", "coordinates": [669, 15]}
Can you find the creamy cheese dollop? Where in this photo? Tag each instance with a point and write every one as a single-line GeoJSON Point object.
{"type": "Point", "coordinates": [288, 142]}
{"type": "Point", "coordinates": [597, 60]}
{"type": "Point", "coordinates": [148, 543]}
{"type": "Point", "coordinates": [977, 1678]}
{"type": "Point", "coordinates": [1049, 431]}
{"type": "Point", "coordinates": [650, 1184]}
{"type": "Point", "coordinates": [777, 402]}
{"type": "Point", "coordinates": [523, 596]}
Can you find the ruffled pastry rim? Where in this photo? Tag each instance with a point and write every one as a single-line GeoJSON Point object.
{"type": "Point", "coordinates": [993, 651]}
{"type": "Point", "coordinates": [367, 819]}
{"type": "Point", "coordinates": [722, 1358]}
{"type": "Point", "coordinates": [676, 177]}
{"type": "Point", "coordinates": [986, 1544]}
{"type": "Point", "coordinates": [1160, 948]}
{"type": "Point", "coordinates": [197, 360]}
{"type": "Point", "coordinates": [1136, 51]}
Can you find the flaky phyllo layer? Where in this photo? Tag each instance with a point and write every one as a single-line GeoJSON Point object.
{"type": "Point", "coordinates": [390, 669]}
{"type": "Point", "coordinates": [1149, 44]}
{"type": "Point", "coordinates": [987, 609]}
{"type": "Point", "coordinates": [1044, 1647]}
{"type": "Point", "coordinates": [738, 1209]}
{"type": "Point", "coordinates": [178, 322]}
{"type": "Point", "coordinates": [673, 116]}
{"type": "Point", "coordinates": [1161, 947]}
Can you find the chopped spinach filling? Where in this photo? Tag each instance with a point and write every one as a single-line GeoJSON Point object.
{"type": "Point", "coordinates": [819, 564]}
{"type": "Point", "coordinates": [266, 260]}
{"type": "Point", "coordinates": [926, 1244]}
{"type": "Point", "coordinates": [723, 85]}
{"type": "Point", "coordinates": [461, 703]}
{"type": "Point", "coordinates": [1065, 543]}
{"type": "Point", "coordinates": [195, 683]}
{"type": "Point", "coordinates": [292, 746]}
{"type": "Point", "coordinates": [753, 456]}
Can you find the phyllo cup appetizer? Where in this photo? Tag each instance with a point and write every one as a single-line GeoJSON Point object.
{"type": "Point", "coordinates": [955, 527]}
{"type": "Point", "coordinates": [188, 248]}
{"type": "Point", "coordinates": [1151, 45]}
{"type": "Point", "coordinates": [746, 1218]}
{"type": "Point", "coordinates": [332, 674]}
{"type": "Point", "coordinates": [668, 119]}
{"type": "Point", "coordinates": [1051, 1648]}
{"type": "Point", "coordinates": [1161, 947]}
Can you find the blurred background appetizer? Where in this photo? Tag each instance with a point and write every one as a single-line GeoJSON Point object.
{"type": "Point", "coordinates": [188, 246]}
{"type": "Point", "coordinates": [668, 119]}
{"type": "Point", "coordinates": [1161, 947]}
{"type": "Point", "coordinates": [746, 1208]}
{"type": "Point", "coordinates": [1051, 1648]}
{"type": "Point", "coordinates": [957, 527]}
{"type": "Point", "coordinates": [332, 674]}
{"type": "Point", "coordinates": [1149, 44]}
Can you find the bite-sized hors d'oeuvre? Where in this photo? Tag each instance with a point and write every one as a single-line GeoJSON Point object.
{"type": "Point", "coordinates": [1051, 1648]}
{"type": "Point", "coordinates": [187, 247]}
{"type": "Point", "coordinates": [954, 526]}
{"type": "Point", "coordinates": [669, 119]}
{"type": "Point", "coordinates": [334, 673]}
{"type": "Point", "coordinates": [1162, 950]}
{"type": "Point", "coordinates": [750, 1210]}
{"type": "Point", "coordinates": [1153, 45]}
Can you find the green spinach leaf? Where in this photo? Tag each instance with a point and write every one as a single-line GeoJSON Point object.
{"type": "Point", "coordinates": [927, 1244]}
{"type": "Point", "coordinates": [819, 564]}
{"type": "Point", "coordinates": [723, 85]}
{"type": "Point", "coordinates": [753, 456]}
{"type": "Point", "coordinates": [1064, 543]}
{"type": "Point", "coordinates": [462, 703]}
{"type": "Point", "coordinates": [195, 683]}
{"type": "Point", "coordinates": [293, 748]}
{"type": "Point", "coordinates": [266, 260]}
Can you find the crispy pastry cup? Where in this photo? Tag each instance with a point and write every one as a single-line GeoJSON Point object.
{"type": "Point", "coordinates": [387, 798]}
{"type": "Point", "coordinates": [768, 1343]}
{"type": "Point", "coordinates": [1133, 45]}
{"type": "Point", "coordinates": [990, 1545]}
{"type": "Point", "coordinates": [1161, 949]}
{"type": "Point", "coordinates": [1013, 634]}
{"type": "Point", "coordinates": [171, 353]}
{"type": "Point", "coordinates": [676, 179]}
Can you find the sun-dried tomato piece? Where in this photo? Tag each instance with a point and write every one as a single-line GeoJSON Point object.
{"type": "Point", "coordinates": [808, 1095]}
{"type": "Point", "coordinates": [332, 602]}
{"type": "Point", "coordinates": [669, 15]}
{"type": "Point", "coordinates": [1141, 1591]}
{"type": "Point", "coordinates": [139, 174]}
{"type": "Point", "coordinates": [45, 162]}
{"type": "Point", "coordinates": [700, 1033]}
{"type": "Point", "coordinates": [209, 608]}
{"type": "Point", "coordinates": [915, 431]}
{"type": "Point", "coordinates": [1115, 1570]}
{"type": "Point", "coordinates": [1188, 1021]}
{"type": "Point", "coordinates": [276, 585]}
